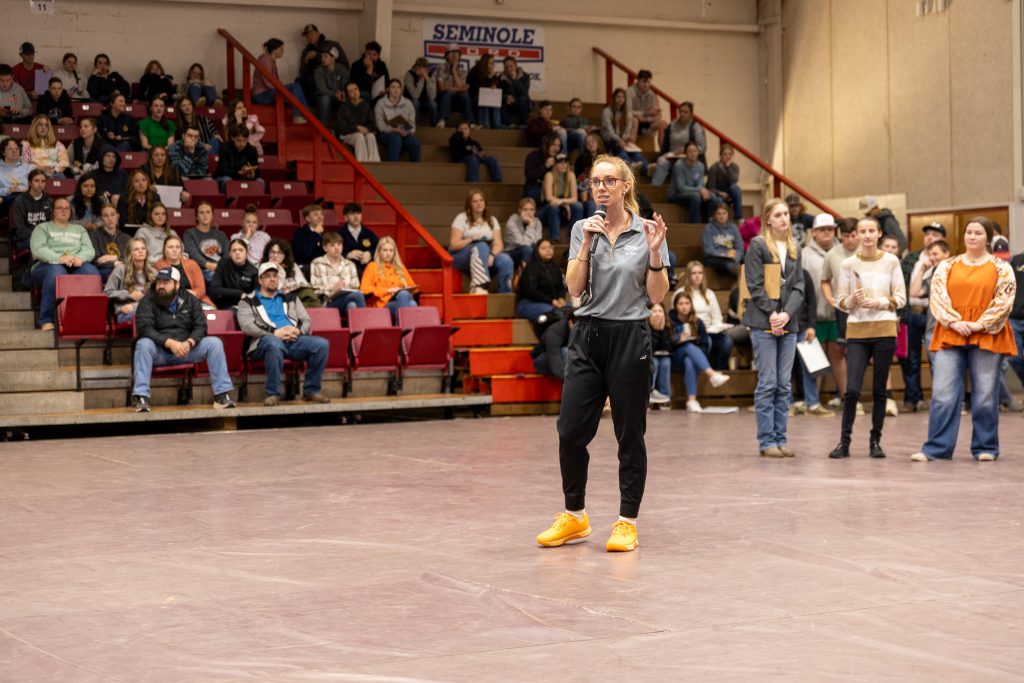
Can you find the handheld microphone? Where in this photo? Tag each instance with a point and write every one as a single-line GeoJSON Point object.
{"type": "Point", "coordinates": [600, 212]}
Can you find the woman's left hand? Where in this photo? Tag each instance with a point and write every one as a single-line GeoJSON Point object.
{"type": "Point", "coordinates": [963, 328]}
{"type": "Point", "coordinates": [655, 234]}
{"type": "Point", "coordinates": [490, 260]}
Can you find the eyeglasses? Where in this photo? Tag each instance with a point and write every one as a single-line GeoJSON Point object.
{"type": "Point", "coordinates": [595, 183]}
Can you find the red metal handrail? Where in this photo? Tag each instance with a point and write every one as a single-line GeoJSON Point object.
{"type": "Point", "coordinates": [404, 221]}
{"type": "Point", "coordinates": [610, 63]}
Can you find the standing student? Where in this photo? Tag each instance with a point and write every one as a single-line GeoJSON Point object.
{"type": "Point", "coordinates": [609, 349]}
{"type": "Point", "coordinates": [871, 289]}
{"type": "Point", "coordinates": [825, 328]}
{"type": "Point", "coordinates": [775, 281]}
{"type": "Point", "coordinates": [914, 263]}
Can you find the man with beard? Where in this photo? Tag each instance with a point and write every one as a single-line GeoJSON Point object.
{"type": "Point", "coordinates": [171, 327]}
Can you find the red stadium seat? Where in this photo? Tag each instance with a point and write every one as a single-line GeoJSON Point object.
{"type": "Point", "coordinates": [137, 110]}
{"type": "Point", "coordinates": [132, 160]}
{"type": "Point", "coordinates": [204, 190]}
{"type": "Point", "coordinates": [426, 343]}
{"type": "Point", "coordinates": [271, 169]}
{"type": "Point", "coordinates": [292, 195]}
{"type": "Point", "coordinates": [326, 323]}
{"type": "Point", "coordinates": [376, 348]}
{"type": "Point", "coordinates": [60, 187]}
{"type": "Point", "coordinates": [331, 219]}
{"type": "Point", "coordinates": [81, 314]}
{"type": "Point", "coordinates": [228, 220]}
{"type": "Point", "coordinates": [18, 131]}
{"type": "Point", "coordinates": [241, 193]}
{"type": "Point", "coordinates": [278, 223]}
{"type": "Point", "coordinates": [81, 110]}
{"type": "Point", "coordinates": [65, 134]}
{"type": "Point", "coordinates": [212, 165]}
{"type": "Point", "coordinates": [181, 219]}
{"type": "Point", "coordinates": [224, 326]}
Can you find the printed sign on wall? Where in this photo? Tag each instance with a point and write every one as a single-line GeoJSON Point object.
{"type": "Point", "coordinates": [525, 42]}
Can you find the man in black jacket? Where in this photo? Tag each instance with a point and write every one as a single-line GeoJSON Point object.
{"type": "Point", "coordinates": [238, 159]}
{"type": "Point", "coordinates": [171, 326]}
{"type": "Point", "coordinates": [515, 92]}
{"type": "Point", "coordinates": [886, 219]}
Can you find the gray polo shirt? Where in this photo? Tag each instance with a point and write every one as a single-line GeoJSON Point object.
{"type": "Point", "coordinates": [618, 282]}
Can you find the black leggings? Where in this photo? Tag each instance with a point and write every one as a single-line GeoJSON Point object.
{"type": "Point", "coordinates": [606, 359]}
{"type": "Point", "coordinates": [880, 351]}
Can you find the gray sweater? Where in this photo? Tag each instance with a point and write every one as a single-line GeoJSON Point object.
{"type": "Point", "coordinates": [518, 235]}
{"type": "Point", "coordinates": [719, 239]}
{"type": "Point", "coordinates": [385, 111]}
{"type": "Point", "coordinates": [330, 82]}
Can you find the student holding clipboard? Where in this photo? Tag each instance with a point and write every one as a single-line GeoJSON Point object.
{"type": "Point", "coordinates": [774, 280]}
{"type": "Point", "coordinates": [386, 282]}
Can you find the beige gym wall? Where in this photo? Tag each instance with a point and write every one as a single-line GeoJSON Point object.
{"type": "Point", "coordinates": [881, 101]}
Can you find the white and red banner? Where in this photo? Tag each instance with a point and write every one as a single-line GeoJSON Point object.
{"type": "Point", "coordinates": [525, 42]}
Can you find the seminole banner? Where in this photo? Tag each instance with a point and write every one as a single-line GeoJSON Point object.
{"type": "Point", "coordinates": [525, 42]}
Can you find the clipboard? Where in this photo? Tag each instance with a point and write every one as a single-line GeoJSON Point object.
{"type": "Point", "coordinates": [813, 356]}
{"type": "Point", "coordinates": [377, 89]}
{"type": "Point", "coordinates": [490, 97]}
{"type": "Point", "coordinates": [773, 280]}
{"type": "Point", "coordinates": [42, 81]}
{"type": "Point", "coordinates": [338, 293]}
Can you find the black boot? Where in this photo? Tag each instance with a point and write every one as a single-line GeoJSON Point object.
{"type": "Point", "coordinates": [841, 451]}
{"type": "Point", "coordinates": [875, 449]}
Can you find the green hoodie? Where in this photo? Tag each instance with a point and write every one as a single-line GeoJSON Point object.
{"type": "Point", "coordinates": [50, 241]}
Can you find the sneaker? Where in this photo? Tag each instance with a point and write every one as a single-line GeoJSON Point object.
{"type": "Point", "coordinates": [565, 529]}
{"type": "Point", "coordinates": [908, 407]}
{"type": "Point", "coordinates": [693, 406]}
{"type": "Point", "coordinates": [623, 538]}
{"type": "Point", "coordinates": [986, 457]}
{"type": "Point", "coordinates": [860, 409]}
{"type": "Point", "coordinates": [791, 412]}
{"type": "Point", "coordinates": [272, 401]}
{"type": "Point", "coordinates": [890, 408]}
{"type": "Point", "coordinates": [440, 123]}
{"type": "Point", "coordinates": [786, 452]}
{"type": "Point", "coordinates": [299, 119]}
{"type": "Point", "coordinates": [919, 457]}
{"type": "Point", "coordinates": [659, 398]}
{"type": "Point", "coordinates": [771, 452]}
{"type": "Point", "coordinates": [221, 401]}
{"type": "Point", "coordinates": [840, 451]}
{"type": "Point", "coordinates": [46, 327]}
{"type": "Point", "coordinates": [799, 408]}
{"type": "Point", "coordinates": [717, 379]}
{"type": "Point", "coordinates": [835, 402]}
{"type": "Point", "coordinates": [478, 290]}
{"type": "Point", "coordinates": [315, 398]}
{"type": "Point", "coordinates": [1014, 406]}
{"type": "Point", "coordinates": [140, 403]}
{"type": "Point", "coordinates": [820, 411]}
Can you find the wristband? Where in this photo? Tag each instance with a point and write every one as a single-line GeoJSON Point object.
{"type": "Point", "coordinates": [656, 270]}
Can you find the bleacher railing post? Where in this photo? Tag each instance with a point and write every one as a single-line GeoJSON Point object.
{"type": "Point", "coordinates": [318, 169]}
{"type": "Point", "coordinates": [609, 76]}
{"type": "Point", "coordinates": [777, 186]}
{"type": "Point", "coordinates": [282, 135]}
{"type": "Point", "coordinates": [231, 71]}
{"type": "Point", "coordinates": [246, 83]}
{"type": "Point", "coordinates": [357, 188]}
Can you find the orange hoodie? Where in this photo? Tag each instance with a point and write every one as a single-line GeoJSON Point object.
{"type": "Point", "coordinates": [377, 280]}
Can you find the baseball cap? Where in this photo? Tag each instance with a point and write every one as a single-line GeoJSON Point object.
{"type": "Point", "coordinates": [561, 157]}
{"type": "Point", "coordinates": [27, 49]}
{"type": "Point", "coordinates": [937, 227]}
{"type": "Point", "coordinates": [168, 273]}
{"type": "Point", "coordinates": [823, 220]}
{"type": "Point", "coordinates": [264, 267]}
{"type": "Point", "coordinates": [792, 199]}
{"type": "Point", "coordinates": [332, 48]}
{"type": "Point", "coordinates": [868, 203]}
{"type": "Point", "coordinates": [452, 47]}
{"type": "Point", "coordinates": [309, 28]}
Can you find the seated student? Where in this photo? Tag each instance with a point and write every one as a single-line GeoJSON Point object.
{"type": "Point", "coordinates": [189, 155]}
{"type": "Point", "coordinates": [723, 244]}
{"type": "Point", "coordinates": [59, 247]}
{"type": "Point", "coordinates": [551, 354]}
{"type": "Point", "coordinates": [253, 235]}
{"type": "Point", "coordinates": [593, 147]}
{"type": "Point", "coordinates": [330, 79]}
{"type": "Point", "coordinates": [334, 277]}
{"type": "Point", "coordinates": [739, 333]}
{"type": "Point", "coordinates": [137, 202]}
{"type": "Point", "coordinates": [191, 275]}
{"type": "Point", "coordinates": [484, 75]}
{"type": "Point", "coordinates": [55, 104]}
{"type": "Point", "coordinates": [645, 105]}
{"type": "Point", "coordinates": [25, 72]}
{"type": "Point", "coordinates": [155, 230]}
{"type": "Point", "coordinates": [523, 231]}
{"type": "Point", "coordinates": [359, 243]}
{"type": "Point", "coordinates": [540, 126]}
{"type": "Point", "coordinates": [171, 327]}
{"type": "Point", "coordinates": [198, 90]}
{"type": "Point", "coordinates": [618, 129]}
{"type": "Point", "coordinates": [239, 160]}
{"type": "Point", "coordinates": [42, 149]}
{"type": "Point", "coordinates": [661, 358]}
{"type": "Point", "coordinates": [369, 69]}
{"type": "Point", "coordinates": [395, 119]}
{"type": "Point", "coordinates": [420, 89]}
{"type": "Point", "coordinates": [465, 149]}
{"type": "Point", "coordinates": [452, 81]}
{"type": "Point", "coordinates": [118, 127]}
{"type": "Point", "coordinates": [155, 83]}
{"type": "Point", "coordinates": [29, 209]}
{"type": "Point", "coordinates": [158, 168]}
{"type": "Point", "coordinates": [386, 282]}
{"type": "Point", "coordinates": [204, 243]}
{"type": "Point", "coordinates": [156, 129]}
{"type": "Point", "coordinates": [103, 83]}
{"type": "Point", "coordinates": [683, 130]}
{"type": "Point", "coordinates": [238, 115]}
{"type": "Point", "coordinates": [129, 281]}
{"type": "Point", "coordinates": [293, 279]}
{"type": "Point", "coordinates": [84, 151]}
{"type": "Point", "coordinates": [307, 242]}
{"type": "Point", "coordinates": [209, 137]}
{"type": "Point", "coordinates": [263, 90]}
{"type": "Point", "coordinates": [541, 286]}
{"type": "Point", "coordinates": [110, 245]}
{"type": "Point", "coordinates": [234, 276]}
{"type": "Point", "coordinates": [69, 78]}
{"type": "Point", "coordinates": [515, 93]}
{"type": "Point", "coordinates": [356, 125]}
{"type": "Point", "coordinates": [537, 164]}
{"type": "Point", "coordinates": [687, 357]}
{"type": "Point", "coordinates": [724, 181]}
{"type": "Point", "coordinates": [15, 104]}
{"type": "Point", "coordinates": [717, 344]}
{"type": "Point", "coordinates": [577, 125]}
{"type": "Point", "coordinates": [86, 204]}
{"type": "Point", "coordinates": [309, 59]}
{"type": "Point", "coordinates": [279, 327]}
{"type": "Point", "coordinates": [687, 187]}
{"type": "Point", "coordinates": [13, 173]}
{"type": "Point", "coordinates": [560, 198]}
{"type": "Point", "coordinates": [477, 247]}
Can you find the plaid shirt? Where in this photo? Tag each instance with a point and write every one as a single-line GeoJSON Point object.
{"type": "Point", "coordinates": [325, 276]}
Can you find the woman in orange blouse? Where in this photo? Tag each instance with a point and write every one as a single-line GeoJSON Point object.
{"type": "Point", "coordinates": [971, 298]}
{"type": "Point", "coordinates": [386, 282]}
{"type": "Point", "coordinates": [191, 274]}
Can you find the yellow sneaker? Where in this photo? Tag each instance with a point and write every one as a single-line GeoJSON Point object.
{"type": "Point", "coordinates": [565, 529]}
{"type": "Point", "coordinates": [623, 537]}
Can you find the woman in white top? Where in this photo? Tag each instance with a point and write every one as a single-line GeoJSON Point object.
{"type": "Point", "coordinates": [477, 248]}
{"type": "Point", "coordinates": [709, 312]}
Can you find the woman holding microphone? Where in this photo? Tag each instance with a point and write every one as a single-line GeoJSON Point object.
{"type": "Point", "coordinates": [617, 263]}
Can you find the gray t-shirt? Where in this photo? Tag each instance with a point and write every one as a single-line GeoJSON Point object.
{"type": "Point", "coordinates": [618, 277]}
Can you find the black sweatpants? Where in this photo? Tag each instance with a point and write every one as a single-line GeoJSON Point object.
{"type": "Point", "coordinates": [606, 359]}
{"type": "Point", "coordinates": [879, 351]}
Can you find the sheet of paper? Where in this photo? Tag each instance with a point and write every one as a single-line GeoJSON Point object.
{"type": "Point", "coordinates": [170, 195]}
{"type": "Point", "coordinates": [490, 97]}
{"type": "Point", "coordinates": [813, 356]}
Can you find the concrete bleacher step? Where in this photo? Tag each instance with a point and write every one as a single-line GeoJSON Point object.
{"type": "Point", "coordinates": [17, 320]}
{"type": "Point", "coordinates": [26, 338]}
{"type": "Point", "coordinates": [456, 192]}
{"type": "Point", "coordinates": [15, 301]}
{"type": "Point", "coordinates": [36, 379]}
{"type": "Point", "coordinates": [5, 267]}
{"type": "Point", "coordinates": [487, 137]}
{"type": "Point", "coordinates": [29, 359]}
{"type": "Point", "coordinates": [38, 402]}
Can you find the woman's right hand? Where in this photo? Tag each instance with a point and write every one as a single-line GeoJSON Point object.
{"type": "Point", "coordinates": [136, 294]}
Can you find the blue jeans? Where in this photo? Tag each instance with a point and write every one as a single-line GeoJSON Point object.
{"type": "Point", "coordinates": [395, 143]}
{"type": "Point", "coordinates": [661, 374]}
{"type": "Point", "coordinates": [519, 254]}
{"type": "Point", "coordinates": [573, 141]}
{"type": "Point", "coordinates": [947, 397]}
{"type": "Point", "coordinates": [735, 195]}
{"type": "Point", "coordinates": [690, 201]}
{"type": "Point", "coordinates": [44, 276]}
{"type": "Point", "coordinates": [425, 104]}
{"type": "Point", "coordinates": [502, 264]}
{"type": "Point", "coordinates": [911, 365]}
{"type": "Point", "coordinates": [461, 101]}
{"type": "Point", "coordinates": [551, 216]}
{"type": "Point", "coordinates": [324, 108]}
{"type": "Point", "coordinates": [810, 384]}
{"type": "Point", "coordinates": [690, 360]}
{"type": "Point", "coordinates": [1017, 362]}
{"type": "Point", "coordinates": [531, 310]}
{"type": "Point", "coordinates": [519, 111]}
{"type": "Point", "coordinates": [490, 117]}
{"type": "Point", "coordinates": [197, 90]}
{"type": "Point", "coordinates": [721, 347]}
{"type": "Point", "coordinates": [272, 351]}
{"type": "Point", "coordinates": [774, 357]}
{"type": "Point", "coordinates": [209, 349]}
{"type": "Point", "coordinates": [473, 163]}
{"type": "Point", "coordinates": [403, 299]}
{"type": "Point", "coordinates": [347, 301]}
{"type": "Point", "coordinates": [270, 96]}
{"type": "Point", "coordinates": [661, 170]}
